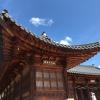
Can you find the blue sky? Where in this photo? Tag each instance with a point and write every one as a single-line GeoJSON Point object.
{"type": "Point", "coordinates": [65, 21]}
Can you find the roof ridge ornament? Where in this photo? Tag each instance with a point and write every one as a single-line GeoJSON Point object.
{"type": "Point", "coordinates": [45, 37]}
{"type": "Point", "coordinates": [3, 14]}
{"type": "Point", "coordinates": [44, 34]}
{"type": "Point", "coordinates": [4, 11]}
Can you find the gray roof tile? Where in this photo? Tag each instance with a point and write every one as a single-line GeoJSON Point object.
{"type": "Point", "coordinates": [82, 69]}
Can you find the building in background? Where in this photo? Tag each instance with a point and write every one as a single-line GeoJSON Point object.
{"type": "Point", "coordinates": [84, 83]}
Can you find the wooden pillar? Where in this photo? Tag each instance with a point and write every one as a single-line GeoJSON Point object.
{"type": "Point", "coordinates": [34, 83]}
{"type": "Point", "coordinates": [32, 75]}
{"type": "Point", "coordinates": [1, 45]}
{"type": "Point", "coordinates": [74, 85]}
{"type": "Point", "coordinates": [65, 75]}
{"type": "Point", "coordinates": [21, 83]}
{"type": "Point", "coordinates": [97, 93]}
{"type": "Point", "coordinates": [98, 86]}
{"type": "Point", "coordinates": [82, 97]}
{"type": "Point", "coordinates": [71, 91]}
{"type": "Point", "coordinates": [65, 82]}
{"type": "Point", "coordinates": [87, 87]}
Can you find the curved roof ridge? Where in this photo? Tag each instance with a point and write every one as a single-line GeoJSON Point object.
{"type": "Point", "coordinates": [98, 42]}
{"type": "Point", "coordinates": [47, 39]}
{"type": "Point", "coordinates": [93, 66]}
{"type": "Point", "coordinates": [86, 46]}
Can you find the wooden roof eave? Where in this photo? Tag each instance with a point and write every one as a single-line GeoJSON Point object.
{"type": "Point", "coordinates": [5, 16]}
{"type": "Point", "coordinates": [32, 40]}
{"type": "Point", "coordinates": [94, 47]}
{"type": "Point", "coordinates": [78, 61]}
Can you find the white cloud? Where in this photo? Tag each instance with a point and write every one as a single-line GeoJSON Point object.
{"type": "Point", "coordinates": [66, 41]}
{"type": "Point", "coordinates": [36, 21]}
{"type": "Point", "coordinates": [99, 66]}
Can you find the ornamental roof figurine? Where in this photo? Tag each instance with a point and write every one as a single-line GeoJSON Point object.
{"type": "Point", "coordinates": [44, 34]}
{"type": "Point", "coordinates": [4, 11]}
{"type": "Point", "coordinates": [45, 38]}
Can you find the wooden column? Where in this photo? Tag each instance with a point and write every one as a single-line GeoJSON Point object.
{"type": "Point", "coordinates": [21, 83]}
{"type": "Point", "coordinates": [65, 75]}
{"type": "Point", "coordinates": [97, 93]}
{"type": "Point", "coordinates": [33, 81]}
{"type": "Point", "coordinates": [82, 97]}
{"type": "Point", "coordinates": [75, 92]}
{"type": "Point", "coordinates": [70, 87]}
{"type": "Point", "coordinates": [86, 82]}
{"type": "Point", "coordinates": [65, 82]}
{"type": "Point", "coordinates": [1, 45]}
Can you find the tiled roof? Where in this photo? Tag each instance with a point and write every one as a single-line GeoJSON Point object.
{"type": "Point", "coordinates": [48, 40]}
{"type": "Point", "coordinates": [85, 69]}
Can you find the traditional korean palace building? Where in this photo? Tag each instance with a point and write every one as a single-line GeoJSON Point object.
{"type": "Point", "coordinates": [37, 68]}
